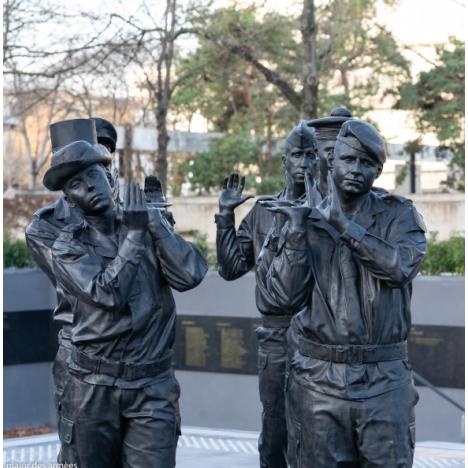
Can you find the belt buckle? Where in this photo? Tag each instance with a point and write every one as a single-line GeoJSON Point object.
{"type": "Point", "coordinates": [356, 354]}
{"type": "Point", "coordinates": [341, 352]}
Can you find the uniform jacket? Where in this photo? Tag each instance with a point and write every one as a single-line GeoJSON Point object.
{"type": "Point", "coordinates": [353, 288]}
{"type": "Point", "coordinates": [121, 299]}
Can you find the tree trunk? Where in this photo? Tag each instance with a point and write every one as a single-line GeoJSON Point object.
{"type": "Point", "coordinates": [163, 143]}
{"type": "Point", "coordinates": [127, 153]}
{"type": "Point", "coordinates": [34, 174]}
{"type": "Point", "coordinates": [310, 80]}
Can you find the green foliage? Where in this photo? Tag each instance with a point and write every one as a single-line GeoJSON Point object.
{"type": "Point", "coordinates": [438, 99]}
{"type": "Point", "coordinates": [231, 152]}
{"type": "Point", "coordinates": [235, 97]}
{"type": "Point", "coordinates": [445, 256]}
{"type": "Point", "coordinates": [15, 252]}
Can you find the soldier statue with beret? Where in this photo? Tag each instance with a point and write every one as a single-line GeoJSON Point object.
{"type": "Point", "coordinates": [119, 404]}
{"type": "Point", "coordinates": [345, 268]}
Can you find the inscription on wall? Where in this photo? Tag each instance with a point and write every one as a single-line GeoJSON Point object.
{"type": "Point", "coordinates": [229, 345]}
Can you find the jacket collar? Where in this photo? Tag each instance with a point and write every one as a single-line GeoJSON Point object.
{"type": "Point", "coordinates": [365, 217]}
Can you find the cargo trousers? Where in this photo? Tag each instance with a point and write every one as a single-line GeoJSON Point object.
{"type": "Point", "coordinates": [104, 426]}
{"type": "Point", "coordinates": [327, 431]}
{"type": "Point", "coordinates": [272, 363]}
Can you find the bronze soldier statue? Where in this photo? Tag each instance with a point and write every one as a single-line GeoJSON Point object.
{"type": "Point", "coordinates": [47, 223]}
{"type": "Point", "coordinates": [119, 405]}
{"type": "Point", "coordinates": [237, 253]}
{"type": "Point", "coordinates": [346, 268]}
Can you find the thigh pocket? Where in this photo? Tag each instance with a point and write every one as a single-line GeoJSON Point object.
{"type": "Point", "coordinates": [65, 430]}
{"type": "Point", "coordinates": [262, 361]}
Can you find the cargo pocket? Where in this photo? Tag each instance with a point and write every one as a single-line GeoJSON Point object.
{"type": "Point", "coordinates": [262, 361]}
{"type": "Point", "coordinates": [65, 430]}
{"type": "Point", "coordinates": [295, 451]}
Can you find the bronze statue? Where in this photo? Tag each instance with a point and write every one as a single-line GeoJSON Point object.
{"type": "Point", "coordinates": [237, 253]}
{"type": "Point", "coordinates": [345, 268]}
{"type": "Point", "coordinates": [116, 268]}
{"type": "Point", "coordinates": [47, 223]}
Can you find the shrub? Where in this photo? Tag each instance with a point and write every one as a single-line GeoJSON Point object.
{"type": "Point", "coordinates": [444, 256]}
{"type": "Point", "coordinates": [15, 252]}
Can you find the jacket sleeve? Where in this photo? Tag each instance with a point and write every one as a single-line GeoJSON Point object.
{"type": "Point", "coordinates": [182, 264]}
{"type": "Point", "coordinates": [287, 275]}
{"type": "Point", "coordinates": [235, 251]}
{"type": "Point", "coordinates": [40, 237]}
{"type": "Point", "coordinates": [397, 258]}
{"type": "Point", "coordinates": [84, 275]}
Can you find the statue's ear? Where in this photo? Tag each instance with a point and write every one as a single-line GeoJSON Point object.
{"type": "Point", "coordinates": [283, 161]}
{"type": "Point", "coordinates": [379, 171]}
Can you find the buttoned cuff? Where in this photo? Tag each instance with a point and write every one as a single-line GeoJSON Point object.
{"type": "Point", "coordinates": [224, 221]}
{"type": "Point", "coordinates": [131, 251]}
{"type": "Point", "coordinates": [354, 232]}
{"type": "Point", "coordinates": [163, 230]}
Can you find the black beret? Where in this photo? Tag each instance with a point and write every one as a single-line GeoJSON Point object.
{"type": "Point", "coordinates": [106, 133]}
{"type": "Point", "coordinates": [367, 136]}
{"type": "Point", "coordinates": [302, 136]}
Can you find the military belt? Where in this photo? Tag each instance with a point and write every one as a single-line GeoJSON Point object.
{"type": "Point", "coordinates": [120, 370]}
{"type": "Point", "coordinates": [353, 354]}
{"type": "Point", "coordinates": [276, 321]}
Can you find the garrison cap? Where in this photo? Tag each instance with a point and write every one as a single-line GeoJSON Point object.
{"type": "Point", "coordinates": [302, 136]}
{"type": "Point", "coordinates": [66, 131]}
{"type": "Point", "coordinates": [328, 127]}
{"type": "Point", "coordinates": [363, 137]}
{"type": "Point", "coordinates": [72, 159]}
{"type": "Point", "coordinates": [106, 133]}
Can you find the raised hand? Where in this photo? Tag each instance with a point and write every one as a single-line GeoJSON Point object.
{"type": "Point", "coordinates": [332, 211]}
{"type": "Point", "coordinates": [313, 197]}
{"type": "Point", "coordinates": [231, 194]}
{"type": "Point", "coordinates": [153, 193]}
{"type": "Point", "coordinates": [135, 212]}
{"type": "Point", "coordinates": [295, 214]}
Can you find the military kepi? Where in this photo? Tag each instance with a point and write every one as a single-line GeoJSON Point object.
{"type": "Point", "coordinates": [106, 133]}
{"type": "Point", "coordinates": [302, 136]}
{"type": "Point", "coordinates": [66, 131]}
{"type": "Point", "coordinates": [363, 137]}
{"type": "Point", "coordinates": [327, 128]}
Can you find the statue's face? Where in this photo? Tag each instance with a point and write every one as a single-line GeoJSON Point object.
{"type": "Point", "coordinates": [353, 171]}
{"type": "Point", "coordinates": [299, 161]}
{"type": "Point", "coordinates": [90, 190]}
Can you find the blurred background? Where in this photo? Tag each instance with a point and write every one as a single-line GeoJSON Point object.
{"type": "Point", "coordinates": [199, 88]}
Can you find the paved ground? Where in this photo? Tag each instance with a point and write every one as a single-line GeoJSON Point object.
{"type": "Point", "coordinates": [209, 448]}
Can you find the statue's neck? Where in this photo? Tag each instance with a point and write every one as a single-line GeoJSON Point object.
{"type": "Point", "coordinates": [351, 204]}
{"type": "Point", "coordinates": [294, 190]}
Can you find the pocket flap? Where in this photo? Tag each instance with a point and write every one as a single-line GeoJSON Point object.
{"type": "Point", "coordinates": [66, 430]}
{"type": "Point", "coordinates": [262, 360]}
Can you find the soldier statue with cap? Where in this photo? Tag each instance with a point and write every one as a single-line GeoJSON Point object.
{"type": "Point", "coordinates": [345, 268]}
{"type": "Point", "coordinates": [119, 404]}
{"type": "Point", "coordinates": [237, 253]}
{"type": "Point", "coordinates": [326, 130]}
{"type": "Point", "coordinates": [47, 223]}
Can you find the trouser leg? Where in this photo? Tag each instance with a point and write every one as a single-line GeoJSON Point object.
{"type": "Point", "coordinates": [151, 424]}
{"type": "Point", "coordinates": [324, 434]}
{"type": "Point", "coordinates": [386, 429]}
{"type": "Point", "coordinates": [272, 358]}
{"type": "Point", "coordinates": [89, 427]}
